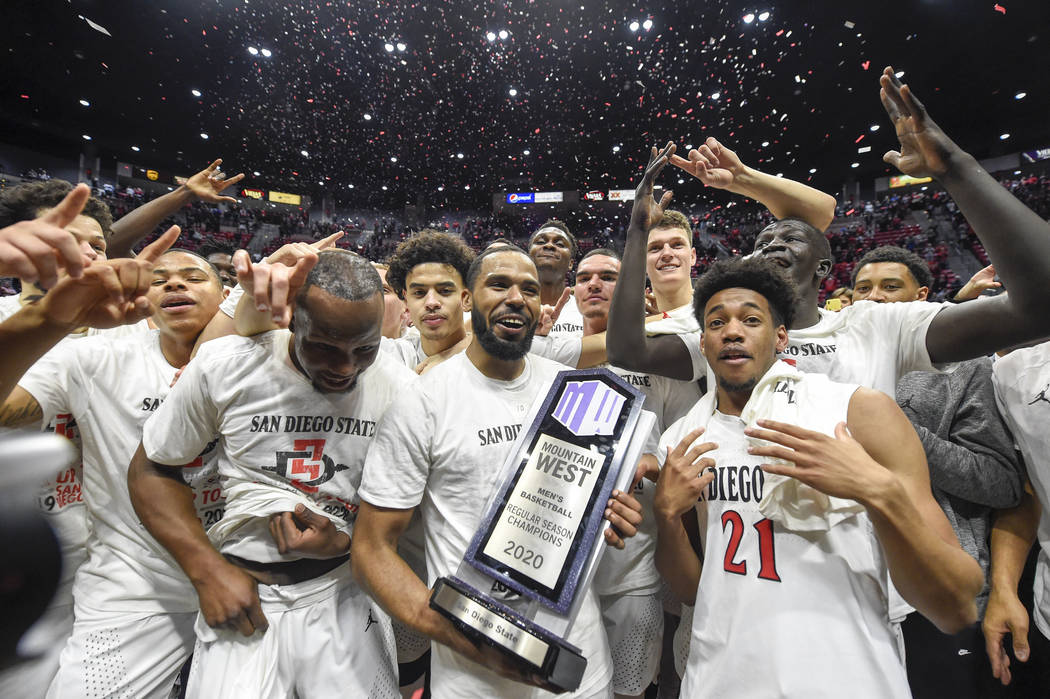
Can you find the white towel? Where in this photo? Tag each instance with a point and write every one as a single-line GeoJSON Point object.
{"type": "Point", "coordinates": [788, 501]}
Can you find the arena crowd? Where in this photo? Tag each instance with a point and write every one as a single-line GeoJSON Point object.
{"type": "Point", "coordinates": [279, 453]}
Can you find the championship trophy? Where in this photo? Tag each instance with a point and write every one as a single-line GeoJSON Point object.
{"type": "Point", "coordinates": [527, 569]}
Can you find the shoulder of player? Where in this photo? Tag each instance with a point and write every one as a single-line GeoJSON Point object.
{"type": "Point", "coordinates": [231, 347]}
{"type": "Point", "coordinates": [388, 369]}
{"type": "Point", "coordinates": [873, 413]}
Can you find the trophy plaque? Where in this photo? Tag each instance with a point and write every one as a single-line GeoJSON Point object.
{"type": "Point", "coordinates": [525, 573]}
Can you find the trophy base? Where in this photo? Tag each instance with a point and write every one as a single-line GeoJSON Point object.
{"type": "Point", "coordinates": [480, 618]}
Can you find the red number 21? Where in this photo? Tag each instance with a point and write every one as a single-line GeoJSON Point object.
{"type": "Point", "coordinates": [767, 556]}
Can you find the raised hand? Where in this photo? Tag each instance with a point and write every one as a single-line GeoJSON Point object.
{"type": "Point", "coordinates": [978, 284]}
{"type": "Point", "coordinates": [35, 250]}
{"type": "Point", "coordinates": [307, 534]}
{"type": "Point", "coordinates": [290, 253]}
{"type": "Point", "coordinates": [838, 466]}
{"type": "Point", "coordinates": [683, 477]}
{"type": "Point", "coordinates": [108, 293]}
{"type": "Point", "coordinates": [712, 163]}
{"type": "Point", "coordinates": [549, 314]}
{"type": "Point", "coordinates": [926, 151]}
{"type": "Point", "coordinates": [646, 211]}
{"type": "Point", "coordinates": [209, 183]}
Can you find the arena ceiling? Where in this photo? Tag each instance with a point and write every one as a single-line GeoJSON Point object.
{"type": "Point", "coordinates": [379, 103]}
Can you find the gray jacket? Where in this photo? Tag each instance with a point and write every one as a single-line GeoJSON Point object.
{"type": "Point", "coordinates": [974, 469]}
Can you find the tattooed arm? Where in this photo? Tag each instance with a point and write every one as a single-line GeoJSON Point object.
{"type": "Point", "coordinates": [20, 410]}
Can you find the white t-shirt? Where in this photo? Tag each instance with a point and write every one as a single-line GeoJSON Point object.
{"type": "Point", "coordinates": [110, 386]}
{"type": "Point", "coordinates": [563, 349]}
{"type": "Point", "coordinates": [682, 322]}
{"type": "Point", "coordinates": [284, 441]}
{"type": "Point", "coordinates": [440, 447]}
{"type": "Point", "coordinates": [406, 349]}
{"type": "Point", "coordinates": [1022, 391]}
{"type": "Point", "coordinates": [780, 613]}
{"type": "Point", "coordinates": [570, 320]}
{"type": "Point", "coordinates": [60, 495]}
{"type": "Point", "coordinates": [868, 343]}
{"type": "Point", "coordinates": [633, 568]}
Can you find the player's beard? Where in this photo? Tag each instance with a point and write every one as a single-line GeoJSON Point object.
{"type": "Point", "coordinates": [742, 387]}
{"type": "Point", "coordinates": [507, 350]}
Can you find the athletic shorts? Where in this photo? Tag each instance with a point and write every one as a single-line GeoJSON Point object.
{"type": "Point", "coordinates": [122, 655]}
{"type": "Point", "coordinates": [683, 637]}
{"type": "Point", "coordinates": [326, 639]}
{"type": "Point", "coordinates": [635, 627]}
{"type": "Point", "coordinates": [411, 645]}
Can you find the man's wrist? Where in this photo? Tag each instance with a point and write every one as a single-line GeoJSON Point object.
{"type": "Point", "coordinates": [203, 565]}
{"type": "Point", "coordinates": [959, 165]}
{"type": "Point", "coordinates": [184, 195]}
{"type": "Point", "coordinates": [883, 494]}
{"type": "Point", "coordinates": [41, 316]}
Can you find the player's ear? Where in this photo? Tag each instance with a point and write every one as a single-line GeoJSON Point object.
{"type": "Point", "coordinates": [782, 338]}
{"type": "Point", "coordinates": [466, 300]}
{"type": "Point", "coordinates": [922, 293]}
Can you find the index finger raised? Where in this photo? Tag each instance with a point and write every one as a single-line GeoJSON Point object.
{"type": "Point", "coordinates": [152, 252]}
{"type": "Point", "coordinates": [69, 208]}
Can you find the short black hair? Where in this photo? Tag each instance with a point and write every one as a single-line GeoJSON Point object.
{"type": "Point", "coordinates": [24, 202]}
{"type": "Point", "coordinates": [475, 266]}
{"type": "Point", "coordinates": [815, 236]}
{"type": "Point", "coordinates": [605, 252]}
{"type": "Point", "coordinates": [428, 245]}
{"type": "Point", "coordinates": [214, 248]}
{"type": "Point", "coordinates": [920, 271]}
{"type": "Point", "coordinates": [761, 276]}
{"type": "Point", "coordinates": [343, 274]}
{"type": "Point", "coordinates": [561, 226]}
{"type": "Point", "coordinates": [212, 269]}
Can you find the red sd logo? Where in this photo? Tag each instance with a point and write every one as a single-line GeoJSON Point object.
{"type": "Point", "coordinates": [307, 467]}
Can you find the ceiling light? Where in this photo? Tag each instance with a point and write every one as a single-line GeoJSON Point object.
{"type": "Point", "coordinates": [1020, 95]}
{"type": "Point", "coordinates": [503, 33]}
{"type": "Point", "coordinates": [204, 136]}
{"type": "Point", "coordinates": [813, 171]}
{"type": "Point", "coordinates": [633, 26]}
{"type": "Point", "coordinates": [616, 149]}
{"type": "Point", "coordinates": [855, 165]}
{"type": "Point", "coordinates": [765, 144]}
{"type": "Point", "coordinates": [512, 92]}
{"type": "Point", "coordinates": [749, 18]}
{"type": "Point", "coordinates": [491, 36]}
{"type": "Point", "coordinates": [899, 74]}
{"type": "Point", "coordinates": [304, 154]}
{"type": "Point", "coordinates": [401, 47]}
{"type": "Point", "coordinates": [763, 17]}
{"type": "Point", "coordinates": [253, 51]}
{"type": "Point", "coordinates": [874, 127]}
{"type": "Point", "coordinates": [389, 47]}
{"type": "Point", "coordinates": [256, 173]}
{"type": "Point", "coordinates": [459, 156]}
{"type": "Point", "coordinates": [384, 188]}
{"type": "Point", "coordinates": [1004, 136]}
{"type": "Point", "coordinates": [393, 158]}
{"type": "Point", "coordinates": [526, 152]}
{"type": "Point", "coordinates": [647, 24]}
{"type": "Point", "coordinates": [86, 137]}
{"type": "Point", "coordinates": [267, 53]}
{"type": "Point", "coordinates": [85, 103]}
{"type": "Point", "coordinates": [136, 149]}
{"type": "Point", "coordinates": [368, 117]}
{"type": "Point", "coordinates": [715, 95]}
{"type": "Point", "coordinates": [195, 93]}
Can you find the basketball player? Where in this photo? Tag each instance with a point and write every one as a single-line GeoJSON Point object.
{"type": "Point", "coordinates": [809, 491]}
{"type": "Point", "coordinates": [445, 462]}
{"type": "Point", "coordinates": [133, 627]}
{"type": "Point", "coordinates": [294, 411]}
